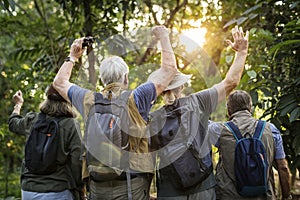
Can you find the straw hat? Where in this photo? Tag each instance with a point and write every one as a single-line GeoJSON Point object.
{"type": "Point", "coordinates": [179, 80]}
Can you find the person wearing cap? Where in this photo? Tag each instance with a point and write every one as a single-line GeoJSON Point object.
{"type": "Point", "coordinates": [199, 105]}
{"type": "Point", "coordinates": [65, 182]}
{"type": "Point", "coordinates": [114, 73]}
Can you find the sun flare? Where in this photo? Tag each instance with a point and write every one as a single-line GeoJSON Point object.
{"type": "Point", "coordinates": [193, 38]}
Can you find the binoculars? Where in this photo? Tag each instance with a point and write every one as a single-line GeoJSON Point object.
{"type": "Point", "coordinates": [88, 41]}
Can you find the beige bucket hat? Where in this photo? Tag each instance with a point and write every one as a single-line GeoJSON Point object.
{"type": "Point", "coordinates": [179, 80]}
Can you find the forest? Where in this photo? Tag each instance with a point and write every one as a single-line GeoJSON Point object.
{"type": "Point", "coordinates": [36, 36]}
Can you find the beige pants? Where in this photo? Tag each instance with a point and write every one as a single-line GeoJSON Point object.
{"type": "Point", "coordinates": [117, 190]}
{"type": "Point", "coordinates": [205, 195]}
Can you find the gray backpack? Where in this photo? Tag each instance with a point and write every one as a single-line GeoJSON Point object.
{"type": "Point", "coordinates": [177, 134]}
{"type": "Point", "coordinates": [106, 137]}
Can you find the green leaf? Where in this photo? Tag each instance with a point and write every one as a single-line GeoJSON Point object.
{"type": "Point", "coordinates": [229, 23]}
{"type": "Point", "coordinates": [286, 100]}
{"type": "Point", "coordinates": [241, 20]}
{"type": "Point", "coordinates": [282, 44]}
{"type": "Point", "coordinates": [295, 114]}
{"type": "Point", "coordinates": [263, 66]}
{"type": "Point", "coordinates": [12, 4]}
{"type": "Point", "coordinates": [254, 96]}
{"type": "Point", "coordinates": [267, 92]}
{"type": "Point", "coordinates": [252, 74]}
{"type": "Point", "coordinates": [296, 143]}
{"type": "Point", "coordinates": [229, 59]}
{"type": "Point", "coordinates": [288, 109]}
{"type": "Point", "coordinates": [252, 9]}
{"type": "Point", "coordinates": [6, 4]}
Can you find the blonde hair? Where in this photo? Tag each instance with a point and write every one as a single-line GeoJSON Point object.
{"type": "Point", "coordinates": [113, 69]}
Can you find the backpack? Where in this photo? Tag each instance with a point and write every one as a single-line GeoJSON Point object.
{"type": "Point", "coordinates": [106, 137]}
{"type": "Point", "coordinates": [41, 146]}
{"type": "Point", "coordinates": [250, 161]}
{"type": "Point", "coordinates": [178, 136]}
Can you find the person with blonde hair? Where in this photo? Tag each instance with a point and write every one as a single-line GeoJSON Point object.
{"type": "Point", "coordinates": [132, 182]}
{"type": "Point", "coordinates": [65, 182]}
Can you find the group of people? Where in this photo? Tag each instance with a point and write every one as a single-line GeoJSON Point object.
{"type": "Point", "coordinates": [67, 182]}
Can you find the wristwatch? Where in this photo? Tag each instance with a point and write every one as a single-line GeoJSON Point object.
{"type": "Point", "coordinates": [69, 59]}
{"type": "Point", "coordinates": [17, 106]}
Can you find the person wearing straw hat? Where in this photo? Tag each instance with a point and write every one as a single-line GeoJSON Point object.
{"type": "Point", "coordinates": [178, 130]}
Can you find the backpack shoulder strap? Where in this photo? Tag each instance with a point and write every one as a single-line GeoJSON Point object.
{"type": "Point", "coordinates": [234, 130]}
{"type": "Point", "coordinates": [259, 129]}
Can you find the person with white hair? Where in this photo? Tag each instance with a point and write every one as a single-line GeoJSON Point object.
{"type": "Point", "coordinates": [114, 75]}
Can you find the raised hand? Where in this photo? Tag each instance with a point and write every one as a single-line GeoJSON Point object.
{"type": "Point", "coordinates": [240, 42]}
{"type": "Point", "coordinates": [160, 32]}
{"type": "Point", "coordinates": [76, 49]}
{"type": "Point", "coordinates": [18, 98]}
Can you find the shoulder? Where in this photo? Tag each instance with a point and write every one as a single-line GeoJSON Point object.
{"type": "Point", "coordinates": [76, 92]}
{"type": "Point", "coordinates": [207, 93]}
{"type": "Point", "coordinates": [145, 87]}
{"type": "Point", "coordinates": [68, 121]}
{"type": "Point", "coordinates": [273, 128]}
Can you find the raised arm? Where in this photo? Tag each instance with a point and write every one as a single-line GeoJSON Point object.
{"type": "Point", "coordinates": [234, 74]}
{"type": "Point", "coordinates": [18, 101]}
{"type": "Point", "coordinates": [61, 81]}
{"type": "Point", "coordinates": [168, 69]}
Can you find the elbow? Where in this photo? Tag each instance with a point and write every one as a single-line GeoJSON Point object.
{"type": "Point", "coordinates": [230, 84]}
{"type": "Point", "coordinates": [57, 83]}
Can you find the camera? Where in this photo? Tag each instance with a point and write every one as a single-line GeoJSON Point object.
{"type": "Point", "coordinates": [88, 41]}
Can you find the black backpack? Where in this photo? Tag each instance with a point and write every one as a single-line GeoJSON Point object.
{"type": "Point", "coordinates": [180, 132]}
{"type": "Point", "coordinates": [41, 146]}
{"type": "Point", "coordinates": [106, 137]}
{"type": "Point", "coordinates": [250, 161]}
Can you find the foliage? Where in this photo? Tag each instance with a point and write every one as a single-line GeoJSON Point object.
{"type": "Point", "coordinates": [277, 76]}
{"type": "Point", "coordinates": [37, 35]}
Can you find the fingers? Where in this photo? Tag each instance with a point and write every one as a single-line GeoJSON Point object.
{"type": "Point", "coordinates": [18, 94]}
{"type": "Point", "coordinates": [232, 45]}
{"type": "Point", "coordinates": [76, 49]}
{"type": "Point", "coordinates": [238, 33]}
{"type": "Point", "coordinates": [160, 31]}
{"type": "Point", "coordinates": [247, 35]}
{"type": "Point", "coordinates": [229, 43]}
{"type": "Point", "coordinates": [235, 32]}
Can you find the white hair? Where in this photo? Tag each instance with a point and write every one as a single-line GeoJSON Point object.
{"type": "Point", "coordinates": [113, 69]}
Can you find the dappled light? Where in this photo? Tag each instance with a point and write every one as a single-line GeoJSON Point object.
{"type": "Point", "coordinates": [36, 37]}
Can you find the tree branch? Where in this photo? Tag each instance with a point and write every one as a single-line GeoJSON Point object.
{"type": "Point", "coordinates": [150, 6]}
{"type": "Point", "coordinates": [174, 12]}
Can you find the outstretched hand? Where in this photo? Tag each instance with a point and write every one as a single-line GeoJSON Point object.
{"type": "Point", "coordinates": [160, 32]}
{"type": "Point", "coordinates": [18, 98]}
{"type": "Point", "coordinates": [240, 43]}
